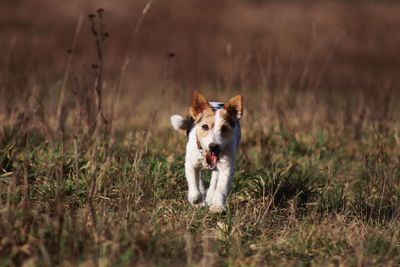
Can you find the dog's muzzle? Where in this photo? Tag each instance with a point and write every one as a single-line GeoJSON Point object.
{"type": "Point", "coordinates": [211, 159]}
{"type": "Point", "coordinates": [212, 155]}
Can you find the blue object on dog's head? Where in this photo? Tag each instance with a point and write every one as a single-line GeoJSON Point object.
{"type": "Point", "coordinates": [216, 105]}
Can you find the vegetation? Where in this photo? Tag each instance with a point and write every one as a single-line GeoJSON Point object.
{"type": "Point", "coordinates": [314, 198]}
{"type": "Point", "coordinates": [91, 174]}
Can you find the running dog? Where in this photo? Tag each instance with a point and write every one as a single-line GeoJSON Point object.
{"type": "Point", "coordinates": [213, 131]}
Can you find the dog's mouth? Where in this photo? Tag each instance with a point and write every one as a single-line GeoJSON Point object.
{"type": "Point", "coordinates": [212, 158]}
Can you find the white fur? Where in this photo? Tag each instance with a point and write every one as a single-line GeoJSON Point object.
{"type": "Point", "coordinates": [221, 176]}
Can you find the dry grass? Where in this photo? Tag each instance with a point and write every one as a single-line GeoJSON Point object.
{"type": "Point", "coordinates": [91, 174]}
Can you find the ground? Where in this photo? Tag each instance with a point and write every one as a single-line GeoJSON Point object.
{"type": "Point", "coordinates": [297, 199]}
{"type": "Point", "coordinates": [92, 173]}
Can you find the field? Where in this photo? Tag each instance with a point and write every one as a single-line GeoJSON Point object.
{"type": "Point", "coordinates": [91, 172]}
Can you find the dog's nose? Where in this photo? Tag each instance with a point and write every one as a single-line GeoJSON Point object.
{"type": "Point", "coordinates": [214, 148]}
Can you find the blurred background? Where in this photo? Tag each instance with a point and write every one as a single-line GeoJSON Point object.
{"type": "Point", "coordinates": [303, 63]}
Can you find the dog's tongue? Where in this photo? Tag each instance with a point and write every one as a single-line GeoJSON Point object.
{"type": "Point", "coordinates": [211, 158]}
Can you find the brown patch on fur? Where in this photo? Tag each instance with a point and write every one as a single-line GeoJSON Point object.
{"type": "Point", "coordinates": [199, 106]}
{"type": "Point", "coordinates": [206, 118]}
{"type": "Point", "coordinates": [227, 123]}
{"type": "Point", "coordinates": [234, 107]}
{"type": "Point", "coordinates": [229, 120]}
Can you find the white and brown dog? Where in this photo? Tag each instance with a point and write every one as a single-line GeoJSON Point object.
{"type": "Point", "coordinates": [213, 136]}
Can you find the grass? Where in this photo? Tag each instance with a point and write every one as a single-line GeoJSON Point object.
{"type": "Point", "coordinates": [91, 173]}
{"type": "Point", "coordinates": [309, 201]}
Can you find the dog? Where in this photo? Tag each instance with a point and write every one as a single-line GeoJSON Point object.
{"type": "Point", "coordinates": [213, 131]}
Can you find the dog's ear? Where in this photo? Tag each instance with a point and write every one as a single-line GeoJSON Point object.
{"type": "Point", "coordinates": [199, 105]}
{"type": "Point", "coordinates": [234, 107]}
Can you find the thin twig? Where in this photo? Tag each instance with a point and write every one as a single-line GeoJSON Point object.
{"type": "Point", "coordinates": [67, 71]}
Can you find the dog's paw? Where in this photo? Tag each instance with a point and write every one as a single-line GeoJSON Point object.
{"type": "Point", "coordinates": [194, 197]}
{"type": "Point", "coordinates": [200, 205]}
{"type": "Point", "coordinates": [217, 209]}
{"type": "Point", "coordinates": [209, 199]}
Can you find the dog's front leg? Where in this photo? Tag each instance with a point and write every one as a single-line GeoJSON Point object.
{"type": "Point", "coordinates": [211, 188]}
{"type": "Point", "coordinates": [193, 178]}
{"type": "Point", "coordinates": [201, 186]}
{"type": "Point", "coordinates": [223, 185]}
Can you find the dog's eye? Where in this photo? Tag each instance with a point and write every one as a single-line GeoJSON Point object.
{"type": "Point", "coordinates": [205, 127]}
{"type": "Point", "coordinates": [224, 129]}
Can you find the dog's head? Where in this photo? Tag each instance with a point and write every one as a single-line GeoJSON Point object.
{"type": "Point", "coordinates": [215, 128]}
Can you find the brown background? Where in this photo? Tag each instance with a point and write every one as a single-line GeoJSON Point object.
{"type": "Point", "coordinates": [311, 60]}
